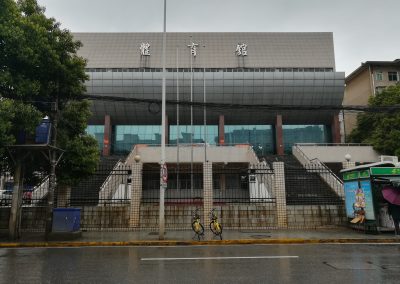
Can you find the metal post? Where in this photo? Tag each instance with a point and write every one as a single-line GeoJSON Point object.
{"type": "Point", "coordinates": [162, 162]}
{"type": "Point", "coordinates": [191, 123]}
{"type": "Point", "coordinates": [52, 176]}
{"type": "Point", "coordinates": [177, 119]}
{"type": "Point", "coordinates": [204, 113]}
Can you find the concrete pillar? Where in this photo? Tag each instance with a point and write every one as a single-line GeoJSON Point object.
{"type": "Point", "coordinates": [280, 194]}
{"type": "Point", "coordinates": [335, 128]}
{"type": "Point", "coordinates": [136, 194]}
{"type": "Point", "coordinates": [207, 197]}
{"type": "Point", "coordinates": [107, 136]}
{"type": "Point", "coordinates": [349, 164]}
{"type": "Point", "coordinates": [279, 135]}
{"type": "Point", "coordinates": [221, 130]}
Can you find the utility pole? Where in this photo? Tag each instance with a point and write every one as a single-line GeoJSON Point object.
{"type": "Point", "coordinates": [191, 118]}
{"type": "Point", "coordinates": [163, 122]}
{"type": "Point", "coordinates": [177, 120]}
{"type": "Point", "coordinates": [53, 164]}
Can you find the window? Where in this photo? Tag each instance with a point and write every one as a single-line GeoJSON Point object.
{"type": "Point", "coordinates": [379, 76]}
{"type": "Point", "coordinates": [393, 76]}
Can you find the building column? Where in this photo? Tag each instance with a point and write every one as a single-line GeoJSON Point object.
{"type": "Point", "coordinates": [107, 136]}
{"type": "Point", "coordinates": [221, 130]}
{"type": "Point", "coordinates": [207, 196]}
{"type": "Point", "coordinates": [136, 195]}
{"type": "Point", "coordinates": [335, 128]}
{"type": "Point", "coordinates": [279, 135]}
{"type": "Point", "coordinates": [280, 194]}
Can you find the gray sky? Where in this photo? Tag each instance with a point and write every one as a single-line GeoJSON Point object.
{"type": "Point", "coordinates": [363, 30]}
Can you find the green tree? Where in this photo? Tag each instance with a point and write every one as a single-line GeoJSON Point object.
{"type": "Point", "coordinates": [381, 130]}
{"type": "Point", "coordinates": [40, 70]}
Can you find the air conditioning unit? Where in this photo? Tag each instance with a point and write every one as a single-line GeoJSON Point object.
{"type": "Point", "coordinates": [393, 159]}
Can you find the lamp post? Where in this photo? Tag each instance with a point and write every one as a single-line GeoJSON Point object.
{"type": "Point", "coordinates": [162, 162]}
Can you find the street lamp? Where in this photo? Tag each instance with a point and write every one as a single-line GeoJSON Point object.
{"type": "Point", "coordinates": [163, 122]}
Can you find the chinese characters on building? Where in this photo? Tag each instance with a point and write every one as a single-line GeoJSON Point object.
{"type": "Point", "coordinates": [193, 48]}
{"type": "Point", "coordinates": [145, 49]}
{"type": "Point", "coordinates": [241, 49]}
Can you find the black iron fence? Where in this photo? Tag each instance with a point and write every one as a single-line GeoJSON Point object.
{"type": "Point", "coordinates": [241, 184]}
{"type": "Point", "coordinates": [314, 196]}
{"type": "Point", "coordinates": [244, 197]}
{"type": "Point", "coordinates": [185, 184]}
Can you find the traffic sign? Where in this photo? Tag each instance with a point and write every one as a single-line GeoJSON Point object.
{"type": "Point", "coordinates": [164, 173]}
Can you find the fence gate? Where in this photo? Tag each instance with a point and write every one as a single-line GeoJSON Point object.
{"type": "Point", "coordinates": [244, 197]}
{"type": "Point", "coordinates": [312, 197]}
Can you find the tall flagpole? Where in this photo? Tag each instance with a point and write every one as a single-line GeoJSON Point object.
{"type": "Point", "coordinates": [177, 119]}
{"type": "Point", "coordinates": [162, 162]}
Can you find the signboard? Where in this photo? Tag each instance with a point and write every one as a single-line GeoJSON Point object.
{"type": "Point", "coordinates": [365, 185]}
{"type": "Point", "coordinates": [350, 191]}
{"type": "Point", "coordinates": [385, 171]}
{"type": "Point", "coordinates": [359, 198]}
{"type": "Point", "coordinates": [164, 173]}
{"type": "Point", "coordinates": [350, 175]}
{"type": "Point", "coordinates": [364, 174]}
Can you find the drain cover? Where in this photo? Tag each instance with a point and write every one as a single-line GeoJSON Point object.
{"type": "Point", "coordinates": [353, 265]}
{"type": "Point", "coordinates": [260, 236]}
{"type": "Point", "coordinates": [155, 233]}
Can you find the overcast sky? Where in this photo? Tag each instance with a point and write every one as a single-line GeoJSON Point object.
{"type": "Point", "coordinates": [363, 30]}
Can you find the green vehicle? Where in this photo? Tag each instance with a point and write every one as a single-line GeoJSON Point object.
{"type": "Point", "coordinates": [366, 209]}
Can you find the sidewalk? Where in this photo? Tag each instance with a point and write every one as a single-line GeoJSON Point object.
{"type": "Point", "coordinates": [185, 237]}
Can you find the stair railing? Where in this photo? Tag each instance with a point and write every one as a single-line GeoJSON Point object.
{"type": "Point", "coordinates": [327, 175]}
{"type": "Point", "coordinates": [108, 188]}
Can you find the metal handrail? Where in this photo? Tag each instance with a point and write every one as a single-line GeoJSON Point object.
{"type": "Point", "coordinates": [328, 169]}
{"type": "Point", "coordinates": [332, 144]}
{"type": "Point", "coordinates": [319, 162]}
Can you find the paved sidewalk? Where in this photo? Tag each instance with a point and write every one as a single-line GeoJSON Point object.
{"type": "Point", "coordinates": [185, 237]}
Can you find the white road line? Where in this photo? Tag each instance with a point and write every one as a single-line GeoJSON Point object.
{"type": "Point", "coordinates": [220, 257]}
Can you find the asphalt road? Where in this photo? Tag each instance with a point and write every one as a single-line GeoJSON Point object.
{"type": "Point", "coordinates": [345, 263]}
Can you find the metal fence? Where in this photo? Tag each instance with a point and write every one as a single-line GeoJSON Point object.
{"type": "Point", "coordinates": [313, 197]}
{"type": "Point", "coordinates": [243, 196]}
{"type": "Point", "coordinates": [241, 184]}
{"type": "Point", "coordinates": [185, 184]}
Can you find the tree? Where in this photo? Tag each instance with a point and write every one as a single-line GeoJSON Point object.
{"type": "Point", "coordinates": [381, 130]}
{"type": "Point", "coordinates": [16, 119]}
{"type": "Point", "coordinates": [40, 69]}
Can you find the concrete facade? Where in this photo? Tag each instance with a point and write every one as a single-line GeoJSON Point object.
{"type": "Point", "coordinates": [367, 80]}
{"type": "Point", "coordinates": [279, 69]}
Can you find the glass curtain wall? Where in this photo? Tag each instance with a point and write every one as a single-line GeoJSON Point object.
{"type": "Point", "coordinates": [305, 134]}
{"type": "Point", "coordinates": [198, 134]}
{"type": "Point", "coordinates": [97, 131]}
{"type": "Point", "coordinates": [259, 136]}
{"type": "Point", "coordinates": [126, 136]}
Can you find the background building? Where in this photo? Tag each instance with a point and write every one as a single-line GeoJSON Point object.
{"type": "Point", "coordinates": [239, 69]}
{"type": "Point", "coordinates": [366, 81]}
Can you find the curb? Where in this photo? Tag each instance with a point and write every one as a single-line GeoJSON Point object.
{"type": "Point", "coordinates": [167, 243]}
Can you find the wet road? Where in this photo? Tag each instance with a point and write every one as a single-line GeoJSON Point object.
{"type": "Point", "coordinates": [204, 264]}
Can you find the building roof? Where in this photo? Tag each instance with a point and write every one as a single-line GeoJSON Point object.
{"type": "Point", "coordinates": [215, 50]}
{"type": "Point", "coordinates": [367, 64]}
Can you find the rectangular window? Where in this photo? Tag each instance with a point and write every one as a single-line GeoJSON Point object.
{"type": "Point", "coordinates": [393, 76]}
{"type": "Point", "coordinates": [379, 76]}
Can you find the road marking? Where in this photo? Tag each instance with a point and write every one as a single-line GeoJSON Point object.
{"type": "Point", "coordinates": [220, 257]}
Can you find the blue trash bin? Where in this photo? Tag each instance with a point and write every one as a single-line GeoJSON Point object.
{"type": "Point", "coordinates": [66, 219]}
